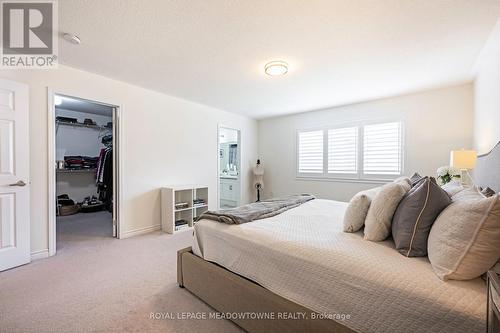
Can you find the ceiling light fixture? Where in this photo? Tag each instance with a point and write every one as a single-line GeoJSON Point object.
{"type": "Point", "coordinates": [73, 39]}
{"type": "Point", "coordinates": [275, 68]}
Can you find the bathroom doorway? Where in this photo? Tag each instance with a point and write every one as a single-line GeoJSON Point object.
{"type": "Point", "coordinates": [229, 167]}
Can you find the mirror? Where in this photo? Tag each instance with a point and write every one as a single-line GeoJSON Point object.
{"type": "Point", "coordinates": [229, 168]}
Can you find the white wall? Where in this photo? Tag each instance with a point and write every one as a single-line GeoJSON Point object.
{"type": "Point", "coordinates": [487, 95]}
{"type": "Point", "coordinates": [435, 122]}
{"type": "Point", "coordinates": [81, 140]}
{"type": "Point", "coordinates": [165, 141]}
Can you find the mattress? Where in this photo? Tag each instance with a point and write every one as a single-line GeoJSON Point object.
{"type": "Point", "coordinates": [303, 256]}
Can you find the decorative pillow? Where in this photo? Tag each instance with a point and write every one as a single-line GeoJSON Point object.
{"type": "Point", "coordinates": [384, 204]}
{"type": "Point", "coordinates": [418, 181]}
{"type": "Point", "coordinates": [415, 215]}
{"type": "Point", "coordinates": [403, 179]}
{"type": "Point", "coordinates": [496, 267]}
{"type": "Point", "coordinates": [464, 242]}
{"type": "Point", "coordinates": [488, 192]}
{"type": "Point", "coordinates": [355, 214]}
{"type": "Point", "coordinates": [468, 193]}
{"type": "Point", "coordinates": [453, 187]}
{"type": "Point", "coordinates": [415, 178]}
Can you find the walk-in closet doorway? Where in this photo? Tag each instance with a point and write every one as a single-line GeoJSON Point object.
{"type": "Point", "coordinates": [84, 170]}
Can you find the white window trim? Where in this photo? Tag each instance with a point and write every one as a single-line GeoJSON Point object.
{"type": "Point", "coordinates": [359, 177]}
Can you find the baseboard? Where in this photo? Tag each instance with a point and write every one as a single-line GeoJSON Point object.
{"type": "Point", "coordinates": [140, 231]}
{"type": "Point", "coordinates": [40, 254]}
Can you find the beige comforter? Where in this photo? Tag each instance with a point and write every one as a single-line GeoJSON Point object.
{"type": "Point", "coordinates": [304, 256]}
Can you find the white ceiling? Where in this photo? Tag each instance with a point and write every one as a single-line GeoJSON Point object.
{"type": "Point", "coordinates": [340, 52]}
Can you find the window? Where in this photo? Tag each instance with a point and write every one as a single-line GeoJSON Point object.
{"type": "Point", "coordinates": [365, 151]}
{"type": "Point", "coordinates": [382, 149]}
{"type": "Point", "coordinates": [311, 152]}
{"type": "Point", "coordinates": [343, 150]}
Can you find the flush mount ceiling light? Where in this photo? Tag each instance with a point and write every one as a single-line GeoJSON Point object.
{"type": "Point", "coordinates": [276, 68]}
{"type": "Point", "coordinates": [73, 39]}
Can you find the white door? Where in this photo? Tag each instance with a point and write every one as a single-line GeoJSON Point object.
{"type": "Point", "coordinates": [14, 175]}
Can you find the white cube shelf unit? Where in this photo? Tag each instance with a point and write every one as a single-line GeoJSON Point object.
{"type": "Point", "coordinates": [173, 195]}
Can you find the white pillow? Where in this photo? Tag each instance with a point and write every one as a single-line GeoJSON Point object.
{"type": "Point", "coordinates": [464, 242]}
{"type": "Point", "coordinates": [468, 193]}
{"type": "Point", "coordinates": [355, 214]}
{"type": "Point", "coordinates": [453, 187]}
{"type": "Point", "coordinates": [379, 218]}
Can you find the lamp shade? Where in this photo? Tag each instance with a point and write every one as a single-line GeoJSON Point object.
{"type": "Point", "coordinates": [463, 159]}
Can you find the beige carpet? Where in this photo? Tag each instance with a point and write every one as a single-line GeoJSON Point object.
{"type": "Point", "coordinates": [99, 284]}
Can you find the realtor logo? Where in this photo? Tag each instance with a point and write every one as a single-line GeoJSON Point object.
{"type": "Point", "coordinates": [29, 34]}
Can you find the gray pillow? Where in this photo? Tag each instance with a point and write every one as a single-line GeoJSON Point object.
{"type": "Point", "coordinates": [415, 178]}
{"type": "Point", "coordinates": [415, 215]}
{"type": "Point", "coordinates": [488, 192]}
{"type": "Point", "coordinates": [496, 267]}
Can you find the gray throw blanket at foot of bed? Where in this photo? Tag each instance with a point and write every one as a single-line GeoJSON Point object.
{"type": "Point", "coordinates": [257, 210]}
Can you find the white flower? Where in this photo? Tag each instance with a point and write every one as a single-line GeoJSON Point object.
{"type": "Point", "coordinates": [447, 170]}
{"type": "Point", "coordinates": [441, 171]}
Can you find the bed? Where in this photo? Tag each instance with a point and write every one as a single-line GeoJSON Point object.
{"type": "Point", "coordinates": [300, 262]}
{"type": "Point", "coordinates": [303, 256]}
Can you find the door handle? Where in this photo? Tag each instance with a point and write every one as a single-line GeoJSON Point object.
{"type": "Point", "coordinates": [19, 183]}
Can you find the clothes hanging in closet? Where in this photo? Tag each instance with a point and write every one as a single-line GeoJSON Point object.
{"type": "Point", "coordinates": [99, 164]}
{"type": "Point", "coordinates": [104, 179]}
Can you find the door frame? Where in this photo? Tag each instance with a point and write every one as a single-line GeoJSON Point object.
{"type": "Point", "coordinates": [51, 161]}
{"type": "Point", "coordinates": [219, 126]}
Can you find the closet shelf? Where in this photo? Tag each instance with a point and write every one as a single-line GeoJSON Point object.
{"type": "Point", "coordinates": [75, 170]}
{"type": "Point", "coordinates": [200, 206]}
{"type": "Point", "coordinates": [96, 127]}
{"type": "Point", "coordinates": [183, 209]}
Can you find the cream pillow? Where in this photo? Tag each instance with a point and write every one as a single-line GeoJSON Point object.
{"type": "Point", "coordinates": [468, 193]}
{"type": "Point", "coordinates": [384, 204]}
{"type": "Point", "coordinates": [453, 187]}
{"type": "Point", "coordinates": [464, 242]}
{"type": "Point", "coordinates": [356, 211]}
{"type": "Point", "coordinates": [403, 179]}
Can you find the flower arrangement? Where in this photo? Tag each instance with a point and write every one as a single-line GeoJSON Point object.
{"type": "Point", "coordinates": [446, 174]}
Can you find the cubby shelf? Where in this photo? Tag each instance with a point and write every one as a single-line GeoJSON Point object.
{"type": "Point", "coordinates": [177, 194]}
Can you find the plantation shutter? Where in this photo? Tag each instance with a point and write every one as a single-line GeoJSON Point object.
{"type": "Point", "coordinates": [382, 149]}
{"type": "Point", "coordinates": [311, 152]}
{"type": "Point", "coordinates": [343, 150]}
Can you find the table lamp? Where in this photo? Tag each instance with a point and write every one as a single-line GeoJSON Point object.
{"type": "Point", "coordinates": [464, 160]}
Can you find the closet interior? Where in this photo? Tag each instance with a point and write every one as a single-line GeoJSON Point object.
{"type": "Point", "coordinates": [84, 169]}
